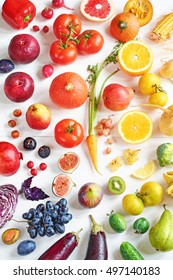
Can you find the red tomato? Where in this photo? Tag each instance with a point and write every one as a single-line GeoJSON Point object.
{"type": "Point", "coordinates": [68, 133]}
{"type": "Point", "coordinates": [67, 25]}
{"type": "Point", "coordinates": [90, 42]}
{"type": "Point", "coordinates": [63, 53]}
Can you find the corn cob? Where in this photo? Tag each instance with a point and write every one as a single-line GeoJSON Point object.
{"type": "Point", "coordinates": [163, 28]}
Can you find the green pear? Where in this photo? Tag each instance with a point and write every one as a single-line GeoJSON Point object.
{"type": "Point", "coordinates": [161, 234]}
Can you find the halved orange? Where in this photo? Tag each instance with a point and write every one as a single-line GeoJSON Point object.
{"type": "Point", "coordinates": [135, 58]}
{"type": "Point", "coordinates": [135, 127]}
{"type": "Point", "coordinates": [142, 9]}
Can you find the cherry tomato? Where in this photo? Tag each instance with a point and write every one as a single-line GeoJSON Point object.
{"type": "Point", "coordinates": [68, 133]}
{"type": "Point", "coordinates": [90, 42]}
{"type": "Point", "coordinates": [47, 13]}
{"type": "Point", "coordinates": [63, 53]}
{"type": "Point", "coordinates": [67, 25]}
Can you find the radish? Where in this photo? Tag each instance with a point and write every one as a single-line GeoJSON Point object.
{"type": "Point", "coordinates": [60, 4]}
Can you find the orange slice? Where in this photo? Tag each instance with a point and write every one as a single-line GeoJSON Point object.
{"type": "Point", "coordinates": [97, 10]}
{"type": "Point", "coordinates": [135, 58]}
{"type": "Point", "coordinates": [142, 9]}
{"type": "Point", "coordinates": [135, 127]}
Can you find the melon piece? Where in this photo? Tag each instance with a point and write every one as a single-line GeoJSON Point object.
{"type": "Point", "coordinates": [62, 185]}
{"type": "Point", "coordinates": [68, 162]}
{"type": "Point", "coordinates": [97, 10]}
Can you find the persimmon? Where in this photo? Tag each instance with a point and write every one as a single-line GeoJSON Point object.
{"type": "Point", "coordinates": [68, 90]}
{"type": "Point", "coordinates": [124, 26]}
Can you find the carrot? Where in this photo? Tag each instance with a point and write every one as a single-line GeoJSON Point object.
{"type": "Point", "coordinates": [94, 100]}
{"type": "Point", "coordinates": [91, 141]}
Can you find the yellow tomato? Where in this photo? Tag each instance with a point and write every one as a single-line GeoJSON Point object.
{"type": "Point", "coordinates": [159, 98]}
{"type": "Point", "coordinates": [151, 193]}
{"type": "Point", "coordinates": [149, 83]}
{"type": "Point", "coordinates": [132, 204]}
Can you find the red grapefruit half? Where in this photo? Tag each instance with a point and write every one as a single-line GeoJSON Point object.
{"type": "Point", "coordinates": [97, 10]}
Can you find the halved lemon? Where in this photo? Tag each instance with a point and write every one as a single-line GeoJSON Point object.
{"type": "Point", "coordinates": [135, 58]}
{"type": "Point", "coordinates": [135, 127]}
{"type": "Point", "coordinates": [146, 171]}
{"type": "Point", "coordinates": [97, 10]}
{"type": "Point", "coordinates": [142, 9]}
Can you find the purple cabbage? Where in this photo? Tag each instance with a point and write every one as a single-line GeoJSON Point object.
{"type": "Point", "coordinates": [8, 203]}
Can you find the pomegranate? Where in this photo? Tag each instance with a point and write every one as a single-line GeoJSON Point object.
{"type": "Point", "coordinates": [9, 159]}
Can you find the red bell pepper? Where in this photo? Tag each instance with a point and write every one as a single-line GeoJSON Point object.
{"type": "Point", "coordinates": [18, 13]}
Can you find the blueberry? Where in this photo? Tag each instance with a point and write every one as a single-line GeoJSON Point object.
{"type": "Point", "coordinates": [44, 151]}
{"type": "Point", "coordinates": [26, 247]}
{"type": "Point", "coordinates": [6, 66]}
{"type": "Point", "coordinates": [29, 143]}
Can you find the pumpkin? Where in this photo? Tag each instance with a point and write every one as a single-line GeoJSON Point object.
{"type": "Point", "coordinates": [68, 90]}
{"type": "Point", "coordinates": [124, 26]}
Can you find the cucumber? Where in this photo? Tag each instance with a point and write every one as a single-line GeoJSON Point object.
{"type": "Point", "coordinates": [129, 252]}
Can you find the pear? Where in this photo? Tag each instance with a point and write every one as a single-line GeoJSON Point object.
{"type": "Point", "coordinates": [161, 234]}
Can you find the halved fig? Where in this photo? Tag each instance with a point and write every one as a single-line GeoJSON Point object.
{"type": "Point", "coordinates": [68, 162]}
{"type": "Point", "coordinates": [62, 185]}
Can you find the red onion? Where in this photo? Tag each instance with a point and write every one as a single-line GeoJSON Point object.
{"type": "Point", "coordinates": [8, 202]}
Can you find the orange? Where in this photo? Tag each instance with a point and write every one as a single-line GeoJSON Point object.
{"type": "Point", "coordinates": [135, 127]}
{"type": "Point", "coordinates": [142, 9]}
{"type": "Point", "coordinates": [135, 58]}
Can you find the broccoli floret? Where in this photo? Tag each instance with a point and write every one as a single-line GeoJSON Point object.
{"type": "Point", "coordinates": [165, 154]}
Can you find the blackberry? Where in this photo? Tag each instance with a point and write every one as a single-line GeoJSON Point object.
{"type": "Point", "coordinates": [44, 151]}
{"type": "Point", "coordinates": [29, 143]}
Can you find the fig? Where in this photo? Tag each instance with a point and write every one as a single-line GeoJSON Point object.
{"type": "Point", "coordinates": [68, 162]}
{"type": "Point", "coordinates": [62, 185]}
{"type": "Point", "coordinates": [90, 195]}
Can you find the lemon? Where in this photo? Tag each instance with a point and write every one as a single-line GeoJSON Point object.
{"type": "Point", "coordinates": [146, 171]}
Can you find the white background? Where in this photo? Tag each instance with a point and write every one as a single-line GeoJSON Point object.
{"type": "Point", "coordinates": [85, 172]}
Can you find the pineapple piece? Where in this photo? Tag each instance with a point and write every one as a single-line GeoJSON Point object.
{"type": "Point", "coordinates": [131, 156]}
{"type": "Point", "coordinates": [115, 164]}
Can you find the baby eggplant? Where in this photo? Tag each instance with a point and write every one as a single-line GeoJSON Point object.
{"type": "Point", "coordinates": [97, 245]}
{"type": "Point", "coordinates": [63, 248]}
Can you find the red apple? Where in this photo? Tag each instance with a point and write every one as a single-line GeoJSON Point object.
{"type": "Point", "coordinates": [116, 97]}
{"type": "Point", "coordinates": [23, 48]}
{"type": "Point", "coordinates": [19, 86]}
{"type": "Point", "coordinates": [38, 116]}
{"type": "Point", "coordinates": [90, 195]}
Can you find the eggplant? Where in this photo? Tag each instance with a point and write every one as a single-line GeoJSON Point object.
{"type": "Point", "coordinates": [97, 245]}
{"type": "Point", "coordinates": [62, 248]}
